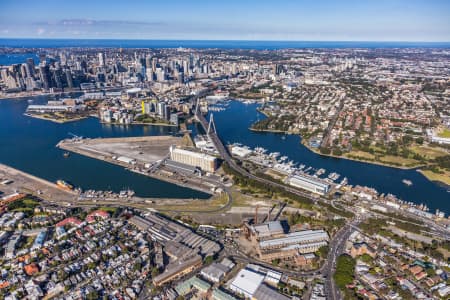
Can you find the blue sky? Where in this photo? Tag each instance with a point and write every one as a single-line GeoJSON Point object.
{"type": "Point", "coordinates": [314, 20]}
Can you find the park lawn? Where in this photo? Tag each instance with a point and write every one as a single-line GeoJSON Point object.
{"type": "Point", "coordinates": [445, 178]}
{"type": "Point", "coordinates": [362, 154]}
{"type": "Point", "coordinates": [30, 202]}
{"type": "Point", "coordinates": [378, 149]}
{"type": "Point", "coordinates": [399, 160]}
{"type": "Point", "coordinates": [275, 174]}
{"type": "Point", "coordinates": [428, 152]}
{"type": "Point", "coordinates": [445, 133]}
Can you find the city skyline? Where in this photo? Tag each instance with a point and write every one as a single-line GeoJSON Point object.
{"type": "Point", "coordinates": [421, 21]}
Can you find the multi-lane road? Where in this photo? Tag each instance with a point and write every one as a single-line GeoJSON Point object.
{"type": "Point", "coordinates": [337, 244]}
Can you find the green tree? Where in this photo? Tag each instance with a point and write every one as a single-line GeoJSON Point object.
{"type": "Point", "coordinates": [323, 251]}
{"type": "Point", "coordinates": [366, 258]}
{"type": "Point", "coordinates": [345, 268]}
{"type": "Point", "coordinates": [209, 259]}
{"type": "Point", "coordinates": [92, 295]}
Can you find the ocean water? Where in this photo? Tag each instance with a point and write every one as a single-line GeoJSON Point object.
{"type": "Point", "coordinates": [223, 44]}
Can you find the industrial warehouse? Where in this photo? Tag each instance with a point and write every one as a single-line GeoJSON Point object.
{"type": "Point", "coordinates": [273, 243]}
{"type": "Point", "coordinates": [183, 247]}
{"type": "Point", "coordinates": [309, 184]}
{"type": "Point", "coordinates": [203, 161]}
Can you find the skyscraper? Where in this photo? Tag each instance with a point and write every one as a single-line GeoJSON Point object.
{"type": "Point", "coordinates": [44, 74]}
{"type": "Point", "coordinates": [101, 59]}
{"type": "Point", "coordinates": [31, 66]}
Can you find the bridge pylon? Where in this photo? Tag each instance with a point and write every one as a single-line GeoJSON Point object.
{"type": "Point", "coordinates": [211, 125]}
{"type": "Point", "coordinates": [197, 108]}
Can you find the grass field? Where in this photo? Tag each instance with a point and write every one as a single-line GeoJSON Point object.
{"type": "Point", "coordinates": [399, 160]}
{"type": "Point", "coordinates": [445, 133]}
{"type": "Point", "coordinates": [362, 154]}
{"type": "Point", "coordinates": [428, 152]}
{"type": "Point", "coordinates": [445, 178]}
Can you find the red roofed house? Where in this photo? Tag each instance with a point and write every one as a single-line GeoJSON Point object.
{"type": "Point", "coordinates": [69, 221]}
{"type": "Point", "coordinates": [97, 214]}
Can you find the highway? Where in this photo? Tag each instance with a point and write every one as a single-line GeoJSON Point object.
{"type": "Point", "coordinates": [337, 244]}
{"type": "Point", "coordinates": [337, 247]}
{"type": "Point", "coordinates": [228, 159]}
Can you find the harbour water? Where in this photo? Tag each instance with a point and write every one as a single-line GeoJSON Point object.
{"type": "Point", "coordinates": [28, 144]}
{"type": "Point", "coordinates": [232, 126]}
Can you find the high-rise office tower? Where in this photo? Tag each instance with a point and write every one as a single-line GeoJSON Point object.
{"type": "Point", "coordinates": [101, 59]}
{"type": "Point", "coordinates": [30, 63]}
{"type": "Point", "coordinates": [44, 74]}
{"type": "Point", "coordinates": [69, 79]}
{"type": "Point", "coordinates": [148, 62]}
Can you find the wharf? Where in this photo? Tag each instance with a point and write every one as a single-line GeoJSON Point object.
{"type": "Point", "coordinates": [29, 184]}
{"type": "Point", "coordinates": [143, 155]}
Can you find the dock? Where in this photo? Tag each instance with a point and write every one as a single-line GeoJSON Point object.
{"type": "Point", "coordinates": [142, 155]}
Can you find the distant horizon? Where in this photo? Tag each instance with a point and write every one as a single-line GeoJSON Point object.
{"type": "Point", "coordinates": [225, 40]}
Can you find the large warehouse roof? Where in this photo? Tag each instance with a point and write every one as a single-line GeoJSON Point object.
{"type": "Point", "coordinates": [299, 237]}
{"type": "Point", "coordinates": [247, 282]}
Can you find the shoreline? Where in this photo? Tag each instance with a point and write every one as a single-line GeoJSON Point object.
{"type": "Point", "coordinates": [141, 124]}
{"type": "Point", "coordinates": [437, 181]}
{"type": "Point", "coordinates": [27, 183]}
{"type": "Point", "coordinates": [32, 95]}
{"type": "Point", "coordinates": [101, 157]}
{"type": "Point", "coordinates": [362, 161]}
{"type": "Point", "coordinates": [334, 156]}
{"type": "Point", "coordinates": [417, 168]}
{"type": "Point", "coordinates": [55, 120]}
{"type": "Point", "coordinates": [269, 130]}
{"type": "Point", "coordinates": [15, 96]}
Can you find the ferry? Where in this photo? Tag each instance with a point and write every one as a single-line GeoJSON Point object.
{"type": "Point", "coordinates": [64, 185]}
{"type": "Point", "coordinates": [407, 182]}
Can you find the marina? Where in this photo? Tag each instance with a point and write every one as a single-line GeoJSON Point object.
{"type": "Point", "coordinates": [232, 126]}
{"type": "Point", "coordinates": [281, 164]}
{"type": "Point", "coordinates": [43, 159]}
{"type": "Point", "coordinates": [318, 179]}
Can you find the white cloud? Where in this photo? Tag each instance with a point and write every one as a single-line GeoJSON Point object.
{"type": "Point", "coordinates": [40, 31]}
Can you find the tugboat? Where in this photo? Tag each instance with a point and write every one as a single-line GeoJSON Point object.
{"type": "Point", "coordinates": [64, 185]}
{"type": "Point", "coordinates": [66, 154]}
